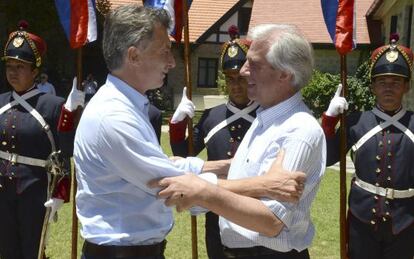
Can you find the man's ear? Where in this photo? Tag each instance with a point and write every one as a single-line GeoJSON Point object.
{"type": "Point", "coordinates": [133, 55]}
{"type": "Point", "coordinates": [35, 72]}
{"type": "Point", "coordinates": [285, 76]}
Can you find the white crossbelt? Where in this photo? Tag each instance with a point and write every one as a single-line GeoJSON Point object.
{"type": "Point", "coordinates": [385, 192]}
{"type": "Point", "coordinates": [15, 158]}
{"type": "Point", "coordinates": [388, 121]}
{"type": "Point", "coordinates": [244, 114]}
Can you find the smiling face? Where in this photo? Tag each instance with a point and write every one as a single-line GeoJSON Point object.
{"type": "Point", "coordinates": [156, 59]}
{"type": "Point", "coordinates": [389, 91]}
{"type": "Point", "coordinates": [266, 85]}
{"type": "Point", "coordinates": [20, 75]}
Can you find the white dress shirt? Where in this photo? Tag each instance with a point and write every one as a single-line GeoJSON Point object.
{"type": "Point", "coordinates": [116, 154]}
{"type": "Point", "coordinates": [288, 125]}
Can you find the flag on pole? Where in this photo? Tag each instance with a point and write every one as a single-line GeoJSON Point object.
{"type": "Point", "coordinates": [175, 10]}
{"type": "Point", "coordinates": [78, 19]}
{"type": "Point", "coordinates": [339, 16]}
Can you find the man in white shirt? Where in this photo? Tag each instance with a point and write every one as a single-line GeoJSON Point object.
{"type": "Point", "coordinates": [44, 86]}
{"type": "Point", "coordinates": [279, 63]}
{"type": "Point", "coordinates": [116, 149]}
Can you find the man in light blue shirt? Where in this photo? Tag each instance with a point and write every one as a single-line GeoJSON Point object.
{"type": "Point", "coordinates": [116, 149]}
{"type": "Point", "coordinates": [279, 63]}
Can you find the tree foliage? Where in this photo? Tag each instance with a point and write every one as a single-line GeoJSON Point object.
{"type": "Point", "coordinates": [320, 90]}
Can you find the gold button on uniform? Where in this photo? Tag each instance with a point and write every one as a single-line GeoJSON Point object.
{"type": "Point", "coordinates": [378, 171]}
{"type": "Point", "coordinates": [4, 143]}
{"type": "Point", "coordinates": [378, 157]}
{"type": "Point", "coordinates": [372, 222]}
{"type": "Point", "coordinates": [374, 210]}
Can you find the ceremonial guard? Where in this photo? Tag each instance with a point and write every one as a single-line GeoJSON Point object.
{"type": "Point", "coordinates": [36, 129]}
{"type": "Point", "coordinates": [381, 199]}
{"type": "Point", "coordinates": [221, 128]}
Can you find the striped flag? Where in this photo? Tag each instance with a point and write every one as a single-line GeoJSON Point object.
{"type": "Point", "coordinates": [78, 19]}
{"type": "Point", "coordinates": [339, 16]}
{"type": "Point", "coordinates": [175, 10]}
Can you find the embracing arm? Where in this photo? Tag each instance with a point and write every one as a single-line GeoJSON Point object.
{"type": "Point", "coordinates": [277, 183]}
{"type": "Point", "coordinates": [189, 190]}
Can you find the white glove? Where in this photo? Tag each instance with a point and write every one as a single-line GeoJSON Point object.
{"type": "Point", "coordinates": [185, 108]}
{"type": "Point", "coordinates": [54, 204]}
{"type": "Point", "coordinates": [75, 98]}
{"type": "Point", "coordinates": [338, 104]}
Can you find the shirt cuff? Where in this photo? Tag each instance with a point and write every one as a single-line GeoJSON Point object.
{"type": "Point", "coordinates": [190, 164]}
{"type": "Point", "coordinates": [209, 177]}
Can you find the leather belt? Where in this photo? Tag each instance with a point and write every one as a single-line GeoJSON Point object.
{"type": "Point", "coordinates": [385, 192]}
{"type": "Point", "coordinates": [111, 251]}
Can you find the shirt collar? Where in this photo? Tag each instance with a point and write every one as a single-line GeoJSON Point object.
{"type": "Point", "coordinates": [276, 113]}
{"type": "Point", "coordinates": [135, 97]}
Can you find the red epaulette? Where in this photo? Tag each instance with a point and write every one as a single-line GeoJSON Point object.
{"type": "Point", "coordinates": [328, 125]}
{"type": "Point", "coordinates": [62, 190]}
{"type": "Point", "coordinates": [66, 120]}
{"type": "Point", "coordinates": [177, 131]}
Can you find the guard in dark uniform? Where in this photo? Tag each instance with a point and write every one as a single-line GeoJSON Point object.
{"type": "Point", "coordinates": [155, 117]}
{"type": "Point", "coordinates": [221, 128]}
{"type": "Point", "coordinates": [381, 199]}
{"type": "Point", "coordinates": [34, 128]}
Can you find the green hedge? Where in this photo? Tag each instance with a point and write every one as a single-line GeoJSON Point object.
{"type": "Point", "coordinates": [320, 90]}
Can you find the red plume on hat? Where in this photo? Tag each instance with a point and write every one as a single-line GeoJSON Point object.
{"type": "Point", "coordinates": [233, 32]}
{"type": "Point", "coordinates": [23, 25]}
{"type": "Point", "coordinates": [394, 37]}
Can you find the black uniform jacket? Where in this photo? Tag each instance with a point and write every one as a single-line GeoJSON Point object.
{"type": "Point", "coordinates": [224, 143]}
{"type": "Point", "coordinates": [22, 134]}
{"type": "Point", "coordinates": [385, 160]}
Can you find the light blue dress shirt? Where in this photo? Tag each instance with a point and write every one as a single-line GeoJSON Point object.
{"type": "Point", "coordinates": [288, 125]}
{"type": "Point", "coordinates": [116, 153]}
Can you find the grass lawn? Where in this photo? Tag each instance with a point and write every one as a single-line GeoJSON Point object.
{"type": "Point", "coordinates": [325, 215]}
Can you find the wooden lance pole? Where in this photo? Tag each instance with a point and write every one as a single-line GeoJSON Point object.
{"type": "Point", "coordinates": [187, 73]}
{"type": "Point", "coordinates": [342, 165]}
{"type": "Point", "coordinates": [74, 251]}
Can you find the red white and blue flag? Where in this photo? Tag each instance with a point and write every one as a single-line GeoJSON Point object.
{"type": "Point", "coordinates": [175, 10]}
{"type": "Point", "coordinates": [78, 18]}
{"type": "Point", "coordinates": [339, 16]}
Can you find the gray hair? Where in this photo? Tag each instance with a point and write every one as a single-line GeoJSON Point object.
{"type": "Point", "coordinates": [126, 26]}
{"type": "Point", "coordinates": [291, 52]}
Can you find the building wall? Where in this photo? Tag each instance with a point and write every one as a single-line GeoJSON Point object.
{"type": "Point", "coordinates": [329, 61]}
